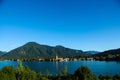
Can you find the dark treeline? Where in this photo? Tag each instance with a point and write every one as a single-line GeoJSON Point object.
{"type": "Point", "coordinates": [110, 55]}
{"type": "Point", "coordinates": [24, 73]}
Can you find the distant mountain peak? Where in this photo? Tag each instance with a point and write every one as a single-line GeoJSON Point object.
{"type": "Point", "coordinates": [31, 43]}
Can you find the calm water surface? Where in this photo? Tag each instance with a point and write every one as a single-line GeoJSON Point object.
{"type": "Point", "coordinates": [98, 67]}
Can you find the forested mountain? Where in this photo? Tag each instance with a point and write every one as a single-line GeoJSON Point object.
{"type": "Point", "coordinates": [2, 53]}
{"type": "Point", "coordinates": [109, 52]}
{"type": "Point", "coordinates": [34, 50]}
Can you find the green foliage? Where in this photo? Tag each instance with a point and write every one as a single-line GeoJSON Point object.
{"type": "Point", "coordinates": [21, 73]}
{"type": "Point", "coordinates": [64, 71]}
{"type": "Point", "coordinates": [20, 66]}
{"type": "Point", "coordinates": [47, 74]}
{"type": "Point", "coordinates": [40, 76]}
{"type": "Point", "coordinates": [101, 77]}
{"type": "Point", "coordinates": [106, 77]}
{"type": "Point", "coordinates": [7, 73]}
{"type": "Point", "coordinates": [24, 73]}
{"type": "Point", "coordinates": [84, 73]}
{"type": "Point", "coordinates": [116, 77]}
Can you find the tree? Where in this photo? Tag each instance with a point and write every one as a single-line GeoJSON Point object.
{"type": "Point", "coordinates": [20, 66]}
{"type": "Point", "coordinates": [40, 76]}
{"type": "Point", "coordinates": [7, 73]}
{"type": "Point", "coordinates": [25, 73]}
{"type": "Point", "coordinates": [108, 77]}
{"type": "Point", "coordinates": [84, 73]}
{"type": "Point", "coordinates": [64, 71]}
{"type": "Point", "coordinates": [101, 77]}
{"type": "Point", "coordinates": [116, 77]}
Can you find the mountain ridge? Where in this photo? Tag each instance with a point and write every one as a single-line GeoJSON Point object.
{"type": "Point", "coordinates": [109, 52]}
{"type": "Point", "coordinates": [35, 50]}
{"type": "Point", "coordinates": [2, 53]}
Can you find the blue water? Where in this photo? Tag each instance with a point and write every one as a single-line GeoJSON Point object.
{"type": "Point", "coordinates": [98, 67]}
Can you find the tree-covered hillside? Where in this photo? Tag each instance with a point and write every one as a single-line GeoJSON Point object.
{"type": "Point", "coordinates": [2, 53]}
{"type": "Point", "coordinates": [35, 50]}
{"type": "Point", "coordinates": [109, 55]}
{"type": "Point", "coordinates": [109, 52]}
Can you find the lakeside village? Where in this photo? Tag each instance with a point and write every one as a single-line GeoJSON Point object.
{"type": "Point", "coordinates": [76, 58]}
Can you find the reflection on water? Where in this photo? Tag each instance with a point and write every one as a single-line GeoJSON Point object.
{"type": "Point", "coordinates": [57, 67]}
{"type": "Point", "coordinates": [98, 67]}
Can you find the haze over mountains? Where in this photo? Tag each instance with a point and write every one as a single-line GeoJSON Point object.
{"type": "Point", "coordinates": [2, 53]}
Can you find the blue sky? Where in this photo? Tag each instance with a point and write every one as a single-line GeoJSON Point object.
{"type": "Point", "coordinates": [77, 24]}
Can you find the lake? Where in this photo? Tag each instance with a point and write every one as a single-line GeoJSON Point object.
{"type": "Point", "coordinates": [98, 67]}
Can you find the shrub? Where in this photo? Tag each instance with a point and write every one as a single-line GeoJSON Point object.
{"type": "Point", "coordinates": [84, 73]}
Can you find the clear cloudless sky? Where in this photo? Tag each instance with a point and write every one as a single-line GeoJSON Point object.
{"type": "Point", "coordinates": [77, 24]}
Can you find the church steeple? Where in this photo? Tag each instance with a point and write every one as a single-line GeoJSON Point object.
{"type": "Point", "coordinates": [56, 57]}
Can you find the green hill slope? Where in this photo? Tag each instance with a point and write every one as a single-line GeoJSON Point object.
{"type": "Point", "coordinates": [109, 52]}
{"type": "Point", "coordinates": [34, 50]}
{"type": "Point", "coordinates": [2, 53]}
